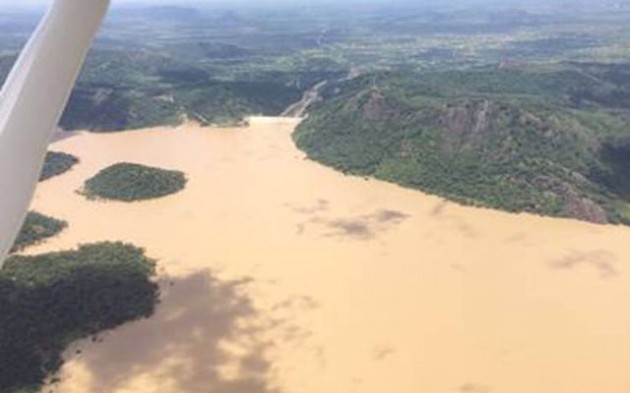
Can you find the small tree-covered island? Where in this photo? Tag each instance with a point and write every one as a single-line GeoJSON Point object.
{"type": "Point", "coordinates": [130, 182]}
{"type": "Point", "coordinates": [37, 228]}
{"type": "Point", "coordinates": [50, 300]}
{"type": "Point", "coordinates": [56, 164]}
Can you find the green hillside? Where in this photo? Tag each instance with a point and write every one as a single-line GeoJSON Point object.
{"type": "Point", "coordinates": [552, 140]}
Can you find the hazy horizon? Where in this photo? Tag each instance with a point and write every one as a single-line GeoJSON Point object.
{"type": "Point", "coordinates": [8, 4]}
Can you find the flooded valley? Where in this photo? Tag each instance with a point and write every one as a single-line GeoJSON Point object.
{"type": "Point", "coordinates": [281, 275]}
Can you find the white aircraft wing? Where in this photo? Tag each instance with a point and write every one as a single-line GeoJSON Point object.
{"type": "Point", "coordinates": [32, 101]}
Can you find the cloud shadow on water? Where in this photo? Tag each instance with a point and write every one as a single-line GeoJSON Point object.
{"type": "Point", "coordinates": [441, 213]}
{"type": "Point", "coordinates": [202, 327]}
{"type": "Point", "coordinates": [602, 261]}
{"type": "Point", "coordinates": [365, 227]}
{"type": "Point", "coordinates": [474, 388]}
{"type": "Point", "coordinates": [355, 228]}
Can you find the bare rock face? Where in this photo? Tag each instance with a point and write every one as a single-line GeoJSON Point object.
{"type": "Point", "coordinates": [469, 119]}
{"type": "Point", "coordinates": [457, 121]}
{"type": "Point", "coordinates": [467, 124]}
{"type": "Point", "coordinates": [575, 205]}
{"type": "Point", "coordinates": [375, 108]}
{"type": "Point", "coordinates": [585, 209]}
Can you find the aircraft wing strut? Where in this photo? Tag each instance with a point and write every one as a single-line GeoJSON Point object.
{"type": "Point", "coordinates": [32, 101]}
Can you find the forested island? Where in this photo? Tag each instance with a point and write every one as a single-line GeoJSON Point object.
{"type": "Point", "coordinates": [57, 163]}
{"type": "Point", "coordinates": [37, 227]}
{"type": "Point", "coordinates": [48, 301]}
{"type": "Point", "coordinates": [133, 182]}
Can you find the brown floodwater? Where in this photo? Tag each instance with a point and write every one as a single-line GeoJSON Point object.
{"type": "Point", "coordinates": [281, 275]}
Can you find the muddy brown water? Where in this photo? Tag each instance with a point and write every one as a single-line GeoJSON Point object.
{"type": "Point", "coordinates": [281, 275]}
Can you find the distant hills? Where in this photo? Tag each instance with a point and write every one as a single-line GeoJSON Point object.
{"type": "Point", "coordinates": [127, 90]}
{"type": "Point", "coordinates": [161, 12]}
{"type": "Point", "coordinates": [552, 140]}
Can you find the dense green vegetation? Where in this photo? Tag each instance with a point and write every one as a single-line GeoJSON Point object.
{"type": "Point", "coordinates": [135, 90]}
{"type": "Point", "coordinates": [48, 301]}
{"type": "Point", "coordinates": [219, 63]}
{"type": "Point", "coordinates": [133, 182]}
{"type": "Point", "coordinates": [56, 164]}
{"type": "Point", "coordinates": [138, 90]}
{"type": "Point", "coordinates": [210, 67]}
{"type": "Point", "coordinates": [552, 140]}
{"type": "Point", "coordinates": [122, 89]}
{"type": "Point", "coordinates": [37, 228]}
